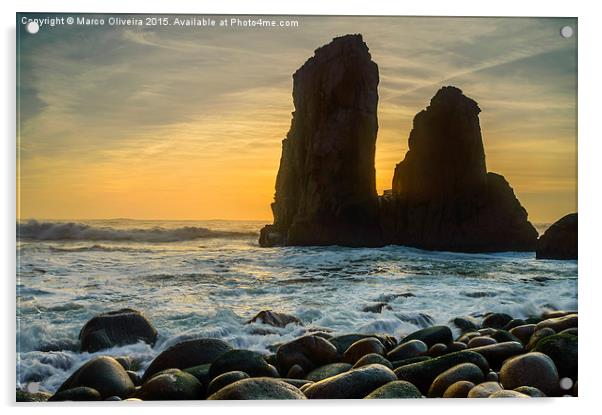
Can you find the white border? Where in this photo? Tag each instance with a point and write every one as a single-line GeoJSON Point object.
{"type": "Point", "coordinates": [590, 208]}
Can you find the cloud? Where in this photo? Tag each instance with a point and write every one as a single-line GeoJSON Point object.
{"type": "Point", "coordinates": [120, 109]}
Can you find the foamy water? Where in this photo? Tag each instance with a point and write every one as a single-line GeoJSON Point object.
{"type": "Point", "coordinates": [207, 278]}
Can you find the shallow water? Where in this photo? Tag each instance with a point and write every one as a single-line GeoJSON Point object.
{"type": "Point", "coordinates": [207, 278]}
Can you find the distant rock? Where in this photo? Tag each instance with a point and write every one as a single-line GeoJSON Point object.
{"type": "Point", "coordinates": [274, 319]}
{"type": "Point", "coordinates": [443, 197]}
{"type": "Point", "coordinates": [326, 188]}
{"type": "Point", "coordinates": [116, 328]}
{"type": "Point", "coordinates": [559, 241]}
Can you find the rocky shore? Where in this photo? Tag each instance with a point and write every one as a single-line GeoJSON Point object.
{"type": "Point", "coordinates": [495, 356]}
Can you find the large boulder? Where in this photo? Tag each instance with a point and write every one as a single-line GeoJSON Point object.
{"type": "Point", "coordinates": [257, 389]}
{"type": "Point", "coordinates": [308, 352]}
{"type": "Point", "coordinates": [116, 328]}
{"type": "Point", "coordinates": [326, 187]}
{"type": "Point", "coordinates": [531, 369]}
{"type": "Point", "coordinates": [559, 241]}
{"type": "Point", "coordinates": [443, 198]}
{"type": "Point", "coordinates": [354, 384]}
{"type": "Point", "coordinates": [187, 354]}
{"type": "Point", "coordinates": [102, 373]}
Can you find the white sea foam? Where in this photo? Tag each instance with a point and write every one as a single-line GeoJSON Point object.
{"type": "Point", "coordinates": [190, 289]}
{"type": "Point", "coordinates": [71, 231]}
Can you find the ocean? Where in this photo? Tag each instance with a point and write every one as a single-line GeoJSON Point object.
{"type": "Point", "coordinates": [208, 278]}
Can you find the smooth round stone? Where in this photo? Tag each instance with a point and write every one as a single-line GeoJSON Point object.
{"type": "Point", "coordinates": [295, 372]}
{"type": "Point", "coordinates": [456, 347]}
{"type": "Point", "coordinates": [343, 342]}
{"type": "Point", "coordinates": [361, 348]}
{"type": "Point", "coordinates": [201, 372]}
{"type": "Point", "coordinates": [530, 391]}
{"type": "Point", "coordinates": [308, 352]}
{"type": "Point", "coordinates": [80, 393]}
{"type": "Point", "coordinates": [431, 335]}
{"type": "Point", "coordinates": [398, 389]}
{"type": "Point", "coordinates": [246, 361]}
{"type": "Point", "coordinates": [487, 331]}
{"type": "Point", "coordinates": [497, 353]}
{"type": "Point", "coordinates": [480, 341]}
{"type": "Point", "coordinates": [437, 350]}
{"type": "Point", "coordinates": [464, 371]}
{"type": "Point", "coordinates": [508, 394]}
{"type": "Point", "coordinates": [258, 389]}
{"type": "Point", "coordinates": [459, 389]}
{"type": "Point", "coordinates": [372, 358]}
{"type": "Point", "coordinates": [496, 320]}
{"type": "Point", "coordinates": [502, 336]}
{"type": "Point", "coordinates": [515, 322]}
{"type": "Point", "coordinates": [563, 350]}
{"type": "Point", "coordinates": [327, 371]}
{"type": "Point", "coordinates": [224, 380]}
{"type": "Point", "coordinates": [116, 328]}
{"type": "Point", "coordinates": [465, 338]}
{"type": "Point", "coordinates": [187, 354]}
{"type": "Point", "coordinates": [559, 323]}
{"type": "Point", "coordinates": [483, 390]}
{"type": "Point", "coordinates": [530, 369]}
{"type": "Point", "coordinates": [407, 350]}
{"type": "Point", "coordinates": [104, 374]}
{"type": "Point", "coordinates": [523, 333]}
{"type": "Point", "coordinates": [355, 384]}
{"type": "Point", "coordinates": [113, 398]}
{"type": "Point", "coordinates": [171, 386]}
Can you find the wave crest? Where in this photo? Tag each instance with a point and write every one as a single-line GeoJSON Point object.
{"type": "Point", "coordinates": [71, 231]}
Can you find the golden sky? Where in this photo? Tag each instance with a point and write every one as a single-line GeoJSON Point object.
{"type": "Point", "coordinates": [187, 123]}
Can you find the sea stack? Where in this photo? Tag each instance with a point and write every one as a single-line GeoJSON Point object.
{"type": "Point", "coordinates": [325, 188]}
{"type": "Point", "coordinates": [442, 196]}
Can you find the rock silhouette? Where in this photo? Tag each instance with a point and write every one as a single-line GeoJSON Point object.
{"type": "Point", "coordinates": [442, 196]}
{"type": "Point", "coordinates": [559, 241]}
{"type": "Point", "coordinates": [325, 188]}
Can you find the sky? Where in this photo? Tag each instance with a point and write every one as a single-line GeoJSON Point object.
{"type": "Point", "coordinates": [164, 122]}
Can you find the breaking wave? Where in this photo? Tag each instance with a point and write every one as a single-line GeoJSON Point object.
{"type": "Point", "coordinates": [71, 231]}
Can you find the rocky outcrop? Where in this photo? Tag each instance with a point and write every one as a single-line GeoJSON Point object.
{"type": "Point", "coordinates": [325, 188]}
{"type": "Point", "coordinates": [443, 198]}
{"type": "Point", "coordinates": [559, 241]}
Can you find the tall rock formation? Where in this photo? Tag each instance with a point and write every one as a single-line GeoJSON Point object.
{"type": "Point", "coordinates": [559, 241]}
{"type": "Point", "coordinates": [325, 188]}
{"type": "Point", "coordinates": [442, 196]}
